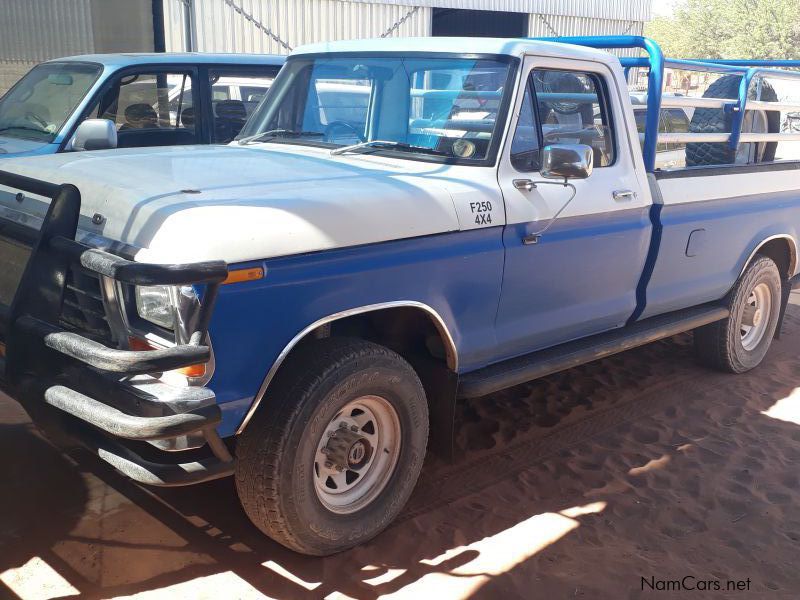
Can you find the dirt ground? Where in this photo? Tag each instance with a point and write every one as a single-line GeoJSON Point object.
{"type": "Point", "coordinates": [617, 480]}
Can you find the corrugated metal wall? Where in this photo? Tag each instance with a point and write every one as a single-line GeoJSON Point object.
{"type": "Point", "coordinates": [37, 30]}
{"type": "Point", "coordinates": [276, 26]}
{"type": "Point", "coordinates": [638, 10]}
{"type": "Point", "coordinates": [540, 25]}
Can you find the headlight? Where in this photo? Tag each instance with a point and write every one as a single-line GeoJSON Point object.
{"type": "Point", "coordinates": [157, 304]}
{"type": "Point", "coordinates": [171, 307]}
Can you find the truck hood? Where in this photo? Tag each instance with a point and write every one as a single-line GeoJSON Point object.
{"type": "Point", "coordinates": [11, 147]}
{"type": "Point", "coordinates": [238, 203]}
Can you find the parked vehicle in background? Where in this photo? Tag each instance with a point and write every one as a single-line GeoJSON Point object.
{"type": "Point", "coordinates": [669, 155]}
{"type": "Point", "coordinates": [393, 230]}
{"type": "Point", "coordinates": [151, 100]}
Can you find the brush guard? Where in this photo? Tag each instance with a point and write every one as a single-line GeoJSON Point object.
{"type": "Point", "coordinates": [101, 397]}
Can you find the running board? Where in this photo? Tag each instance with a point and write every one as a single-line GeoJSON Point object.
{"type": "Point", "coordinates": [538, 364]}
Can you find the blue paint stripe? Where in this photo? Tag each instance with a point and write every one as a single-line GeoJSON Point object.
{"type": "Point", "coordinates": [650, 262]}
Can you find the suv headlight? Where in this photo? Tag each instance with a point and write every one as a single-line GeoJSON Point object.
{"type": "Point", "coordinates": [175, 308]}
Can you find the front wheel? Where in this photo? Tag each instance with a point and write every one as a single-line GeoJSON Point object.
{"type": "Point", "coordinates": [739, 343]}
{"type": "Point", "coordinates": [334, 454]}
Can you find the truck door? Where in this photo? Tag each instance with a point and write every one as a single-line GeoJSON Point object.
{"type": "Point", "coordinates": [579, 277]}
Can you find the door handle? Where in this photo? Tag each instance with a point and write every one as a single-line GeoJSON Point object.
{"type": "Point", "coordinates": [525, 185]}
{"type": "Point", "coordinates": [620, 195]}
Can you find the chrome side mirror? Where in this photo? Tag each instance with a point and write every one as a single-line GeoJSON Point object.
{"type": "Point", "coordinates": [95, 134]}
{"type": "Point", "coordinates": [567, 161]}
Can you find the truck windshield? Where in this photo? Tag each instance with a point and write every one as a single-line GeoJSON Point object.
{"type": "Point", "coordinates": [431, 107]}
{"type": "Point", "coordinates": [39, 104]}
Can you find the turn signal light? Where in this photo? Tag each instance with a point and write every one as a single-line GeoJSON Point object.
{"type": "Point", "coordinates": [2, 350]}
{"type": "Point", "coordinates": [240, 275]}
{"type": "Point", "coordinates": [192, 371]}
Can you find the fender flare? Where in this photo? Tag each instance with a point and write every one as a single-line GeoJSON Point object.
{"type": "Point", "coordinates": [438, 321]}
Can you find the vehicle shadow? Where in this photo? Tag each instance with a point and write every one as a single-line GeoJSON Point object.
{"type": "Point", "coordinates": [43, 495]}
{"type": "Point", "coordinates": [639, 465]}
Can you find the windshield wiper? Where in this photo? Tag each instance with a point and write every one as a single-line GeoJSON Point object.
{"type": "Point", "coordinates": [386, 144]}
{"type": "Point", "coordinates": [276, 133]}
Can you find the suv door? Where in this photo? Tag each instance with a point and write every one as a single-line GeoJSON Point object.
{"type": "Point", "coordinates": [580, 276]}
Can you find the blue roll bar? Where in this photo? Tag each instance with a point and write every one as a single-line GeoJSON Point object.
{"type": "Point", "coordinates": [655, 62]}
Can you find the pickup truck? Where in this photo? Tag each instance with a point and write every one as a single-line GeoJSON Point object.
{"type": "Point", "coordinates": [101, 101]}
{"type": "Point", "coordinates": [303, 308]}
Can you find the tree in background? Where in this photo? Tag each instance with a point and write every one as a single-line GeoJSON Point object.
{"type": "Point", "coordinates": [730, 29]}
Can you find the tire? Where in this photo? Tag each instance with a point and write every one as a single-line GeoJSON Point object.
{"type": "Point", "coordinates": [723, 345]}
{"type": "Point", "coordinates": [282, 477]}
{"type": "Point", "coordinates": [714, 120]}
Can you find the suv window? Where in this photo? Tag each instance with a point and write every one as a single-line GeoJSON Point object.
{"type": "Point", "coordinates": [234, 96]}
{"type": "Point", "coordinates": [641, 113]}
{"type": "Point", "coordinates": [39, 104]}
{"type": "Point", "coordinates": [150, 109]}
{"type": "Point", "coordinates": [562, 107]}
{"type": "Point", "coordinates": [678, 123]}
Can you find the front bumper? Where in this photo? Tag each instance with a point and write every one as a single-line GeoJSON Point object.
{"type": "Point", "coordinates": [108, 400]}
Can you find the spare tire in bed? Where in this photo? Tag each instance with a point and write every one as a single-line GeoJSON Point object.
{"type": "Point", "coordinates": [715, 120]}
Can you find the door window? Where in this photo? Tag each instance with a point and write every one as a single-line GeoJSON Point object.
{"type": "Point", "coordinates": [563, 107]}
{"type": "Point", "coordinates": [150, 109]}
{"type": "Point", "coordinates": [234, 96]}
{"type": "Point", "coordinates": [149, 101]}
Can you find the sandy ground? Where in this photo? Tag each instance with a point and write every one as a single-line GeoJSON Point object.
{"type": "Point", "coordinates": [577, 486]}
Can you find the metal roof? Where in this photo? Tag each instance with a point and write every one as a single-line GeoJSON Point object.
{"type": "Point", "coordinates": [158, 58]}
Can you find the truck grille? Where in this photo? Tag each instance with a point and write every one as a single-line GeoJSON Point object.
{"type": "Point", "coordinates": [83, 309]}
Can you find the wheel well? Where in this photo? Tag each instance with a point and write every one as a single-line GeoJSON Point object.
{"type": "Point", "coordinates": [782, 251]}
{"type": "Point", "coordinates": [409, 331]}
{"type": "Point", "coordinates": [417, 334]}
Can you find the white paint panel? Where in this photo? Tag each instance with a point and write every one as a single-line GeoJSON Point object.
{"type": "Point", "coordinates": [253, 202]}
{"type": "Point", "coordinates": [683, 190]}
{"type": "Point", "coordinates": [595, 194]}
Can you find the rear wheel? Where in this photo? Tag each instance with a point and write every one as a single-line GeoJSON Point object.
{"type": "Point", "coordinates": [739, 343]}
{"type": "Point", "coordinates": [334, 454]}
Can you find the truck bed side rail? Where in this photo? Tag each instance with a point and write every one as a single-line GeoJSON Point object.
{"type": "Point", "coordinates": [750, 71]}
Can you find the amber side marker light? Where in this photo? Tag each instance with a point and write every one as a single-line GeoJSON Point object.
{"type": "Point", "coordinates": [193, 371]}
{"type": "Point", "coordinates": [240, 275]}
{"type": "Point", "coordinates": [2, 350]}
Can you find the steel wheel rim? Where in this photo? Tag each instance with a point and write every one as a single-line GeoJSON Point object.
{"type": "Point", "coordinates": [755, 316]}
{"type": "Point", "coordinates": [357, 454]}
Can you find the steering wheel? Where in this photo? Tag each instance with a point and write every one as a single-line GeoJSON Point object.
{"type": "Point", "coordinates": [333, 125]}
{"type": "Point", "coordinates": [34, 118]}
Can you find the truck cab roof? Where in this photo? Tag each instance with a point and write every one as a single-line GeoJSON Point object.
{"type": "Point", "coordinates": [169, 58]}
{"type": "Point", "coordinates": [458, 45]}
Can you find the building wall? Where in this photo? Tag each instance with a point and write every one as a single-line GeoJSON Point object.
{"type": "Point", "coordinates": [277, 26]}
{"type": "Point", "coordinates": [32, 31]}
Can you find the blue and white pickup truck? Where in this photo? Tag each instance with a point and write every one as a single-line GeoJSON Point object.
{"type": "Point", "coordinates": [401, 224]}
{"type": "Point", "coordinates": [100, 101]}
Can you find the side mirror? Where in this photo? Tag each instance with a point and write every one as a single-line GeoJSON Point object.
{"type": "Point", "coordinates": [95, 134]}
{"type": "Point", "coordinates": [567, 161]}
